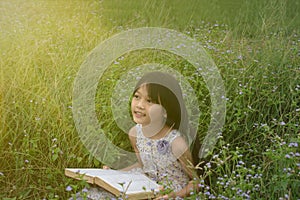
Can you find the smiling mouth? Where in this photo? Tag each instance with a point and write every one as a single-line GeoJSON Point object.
{"type": "Point", "coordinates": [139, 114]}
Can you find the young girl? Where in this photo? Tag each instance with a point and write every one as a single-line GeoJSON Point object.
{"type": "Point", "coordinates": [158, 138]}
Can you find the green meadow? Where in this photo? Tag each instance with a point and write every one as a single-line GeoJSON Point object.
{"type": "Point", "coordinates": [254, 43]}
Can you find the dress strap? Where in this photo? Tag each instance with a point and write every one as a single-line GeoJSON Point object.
{"type": "Point", "coordinates": [139, 130]}
{"type": "Point", "coordinates": [172, 135]}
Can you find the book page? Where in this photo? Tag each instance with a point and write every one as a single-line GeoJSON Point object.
{"type": "Point", "coordinates": [121, 179]}
{"type": "Point", "coordinates": [130, 182]}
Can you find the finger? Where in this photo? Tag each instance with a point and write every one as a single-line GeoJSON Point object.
{"type": "Point", "coordinates": [162, 197]}
{"type": "Point", "coordinates": [161, 188]}
{"type": "Point", "coordinates": [106, 167]}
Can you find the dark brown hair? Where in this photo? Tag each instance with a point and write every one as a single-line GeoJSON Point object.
{"type": "Point", "coordinates": [164, 89]}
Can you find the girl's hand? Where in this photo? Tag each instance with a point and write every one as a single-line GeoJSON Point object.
{"type": "Point", "coordinates": [105, 167]}
{"type": "Point", "coordinates": [162, 197]}
{"type": "Point", "coordinates": [172, 195]}
{"type": "Point", "coordinates": [165, 196]}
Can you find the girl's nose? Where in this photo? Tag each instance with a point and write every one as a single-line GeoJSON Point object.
{"type": "Point", "coordinates": [141, 104]}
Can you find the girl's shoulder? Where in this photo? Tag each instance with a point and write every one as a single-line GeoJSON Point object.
{"type": "Point", "coordinates": [179, 144]}
{"type": "Point", "coordinates": [133, 131]}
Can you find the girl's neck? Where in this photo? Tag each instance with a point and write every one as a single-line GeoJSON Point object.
{"type": "Point", "coordinates": [160, 134]}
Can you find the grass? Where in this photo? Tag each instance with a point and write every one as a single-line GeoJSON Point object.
{"type": "Point", "coordinates": [255, 44]}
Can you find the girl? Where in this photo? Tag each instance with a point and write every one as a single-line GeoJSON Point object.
{"type": "Point", "coordinates": [158, 137]}
{"type": "Point", "coordinates": [158, 110]}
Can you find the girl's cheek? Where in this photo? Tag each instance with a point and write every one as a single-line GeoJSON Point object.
{"type": "Point", "coordinates": [156, 112]}
{"type": "Point", "coordinates": [133, 102]}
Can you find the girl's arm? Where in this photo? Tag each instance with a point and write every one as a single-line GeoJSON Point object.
{"type": "Point", "coordinates": [181, 151]}
{"type": "Point", "coordinates": [132, 137]}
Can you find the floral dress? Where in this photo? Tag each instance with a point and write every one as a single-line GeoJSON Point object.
{"type": "Point", "coordinates": [159, 163]}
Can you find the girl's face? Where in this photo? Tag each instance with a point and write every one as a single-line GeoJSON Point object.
{"type": "Point", "coordinates": [144, 111]}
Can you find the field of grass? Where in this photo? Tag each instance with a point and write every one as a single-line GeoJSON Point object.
{"type": "Point", "coordinates": [255, 44]}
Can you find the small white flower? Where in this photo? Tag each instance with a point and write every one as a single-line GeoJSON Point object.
{"type": "Point", "coordinates": [282, 123]}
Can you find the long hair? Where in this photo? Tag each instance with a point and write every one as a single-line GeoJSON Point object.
{"type": "Point", "coordinates": [164, 89]}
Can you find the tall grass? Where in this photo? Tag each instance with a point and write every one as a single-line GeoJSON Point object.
{"type": "Point", "coordinates": [42, 46]}
{"type": "Point", "coordinates": [254, 44]}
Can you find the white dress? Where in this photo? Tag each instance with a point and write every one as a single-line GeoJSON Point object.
{"type": "Point", "coordinates": [159, 164]}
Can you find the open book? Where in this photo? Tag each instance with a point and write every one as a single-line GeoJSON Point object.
{"type": "Point", "coordinates": [133, 185]}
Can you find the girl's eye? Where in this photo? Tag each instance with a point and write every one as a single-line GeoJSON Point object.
{"type": "Point", "coordinates": [136, 96]}
{"type": "Point", "coordinates": [150, 101]}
